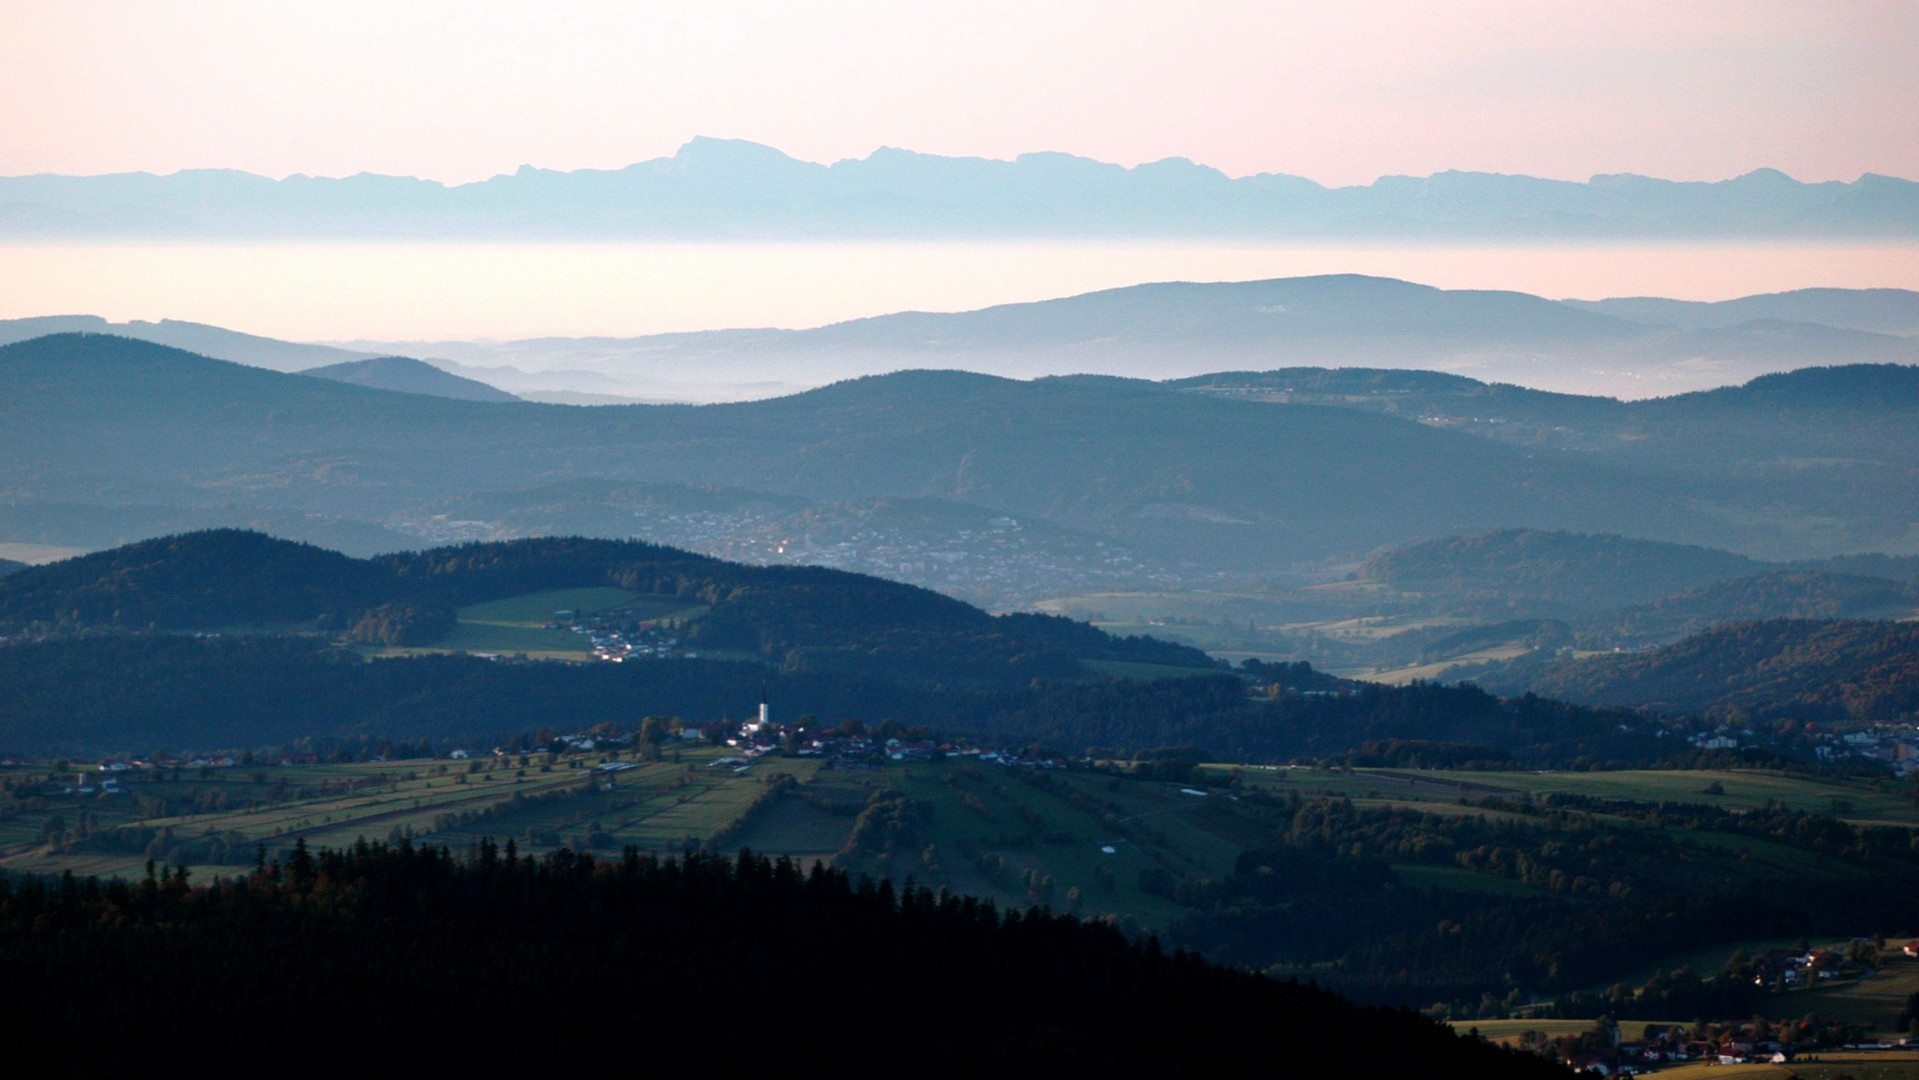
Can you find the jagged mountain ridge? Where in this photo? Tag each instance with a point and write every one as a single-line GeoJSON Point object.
{"type": "Point", "coordinates": [730, 189]}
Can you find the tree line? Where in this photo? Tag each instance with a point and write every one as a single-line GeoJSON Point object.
{"type": "Point", "coordinates": [414, 956]}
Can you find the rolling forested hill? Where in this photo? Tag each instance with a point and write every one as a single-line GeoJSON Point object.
{"type": "Point", "coordinates": [1188, 330]}
{"type": "Point", "coordinates": [118, 654]}
{"type": "Point", "coordinates": [1217, 483]}
{"type": "Point", "coordinates": [1779, 594]}
{"type": "Point", "coordinates": [1552, 570]}
{"type": "Point", "coordinates": [1798, 669]}
{"type": "Point", "coordinates": [408, 376]}
{"type": "Point", "coordinates": [1880, 311]}
{"type": "Point", "coordinates": [107, 439]}
{"type": "Point", "coordinates": [197, 338]}
{"type": "Point", "coordinates": [1824, 453]}
{"type": "Point", "coordinates": [141, 693]}
{"type": "Point", "coordinates": [795, 617]}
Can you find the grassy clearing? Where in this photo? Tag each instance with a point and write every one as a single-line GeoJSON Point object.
{"type": "Point", "coordinates": [520, 624]}
{"type": "Point", "coordinates": [527, 623]}
{"type": "Point", "coordinates": [1739, 789]}
{"type": "Point", "coordinates": [540, 608]}
{"type": "Point", "coordinates": [1709, 961]}
{"type": "Point", "coordinates": [1405, 675]}
{"type": "Point", "coordinates": [796, 827]}
{"type": "Point", "coordinates": [1875, 1003]}
{"type": "Point", "coordinates": [539, 801]}
{"type": "Point", "coordinates": [1128, 669]}
{"type": "Point", "coordinates": [492, 638]}
{"type": "Point", "coordinates": [1022, 838]}
{"type": "Point", "coordinates": [1507, 1030]}
{"type": "Point", "coordinates": [1712, 1071]}
{"type": "Point", "coordinates": [1829, 1066]}
{"type": "Point", "coordinates": [1743, 789]}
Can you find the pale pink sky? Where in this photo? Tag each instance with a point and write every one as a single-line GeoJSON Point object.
{"type": "Point", "coordinates": [1339, 92]}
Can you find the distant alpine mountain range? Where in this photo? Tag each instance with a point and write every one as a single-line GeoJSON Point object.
{"type": "Point", "coordinates": [724, 189]}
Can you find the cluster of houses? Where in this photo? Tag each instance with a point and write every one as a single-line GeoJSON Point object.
{"type": "Point", "coordinates": [611, 643]}
{"type": "Point", "coordinates": [761, 736]}
{"type": "Point", "coordinates": [1797, 967]}
{"type": "Point", "coordinates": [1896, 745]}
{"type": "Point", "coordinates": [1676, 1045]}
{"type": "Point", "coordinates": [104, 778]}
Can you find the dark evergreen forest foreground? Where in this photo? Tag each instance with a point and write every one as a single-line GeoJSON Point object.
{"type": "Point", "coordinates": [413, 957]}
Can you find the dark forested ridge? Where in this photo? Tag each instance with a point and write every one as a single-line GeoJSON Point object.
{"type": "Point", "coordinates": [799, 618]}
{"type": "Point", "coordinates": [195, 581]}
{"type": "Point", "coordinates": [1833, 443]}
{"type": "Point", "coordinates": [1800, 669]}
{"type": "Point", "coordinates": [507, 963]}
{"type": "Point", "coordinates": [1599, 593]}
{"type": "Point", "coordinates": [1779, 594]}
{"type": "Point", "coordinates": [408, 376]}
{"type": "Point", "coordinates": [1568, 571]}
{"type": "Point", "coordinates": [1609, 885]}
{"type": "Point", "coordinates": [8, 566]}
{"type": "Point", "coordinates": [140, 693]}
{"type": "Point", "coordinates": [1883, 311]}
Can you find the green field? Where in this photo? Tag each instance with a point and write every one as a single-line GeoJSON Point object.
{"type": "Point", "coordinates": [1740, 789]}
{"type": "Point", "coordinates": [1501, 1030]}
{"type": "Point", "coordinates": [1131, 669]}
{"type": "Point", "coordinates": [537, 800]}
{"type": "Point", "coordinates": [1017, 835]}
{"type": "Point", "coordinates": [1830, 1066]}
{"type": "Point", "coordinates": [1874, 1003]}
{"type": "Point", "coordinates": [533, 641]}
{"type": "Point", "coordinates": [538, 609]}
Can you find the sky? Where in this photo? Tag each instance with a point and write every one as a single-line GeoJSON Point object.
{"type": "Point", "coordinates": [1341, 93]}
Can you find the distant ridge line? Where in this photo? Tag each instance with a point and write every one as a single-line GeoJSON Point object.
{"type": "Point", "coordinates": [732, 189]}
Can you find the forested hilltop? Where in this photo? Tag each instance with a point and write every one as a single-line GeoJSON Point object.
{"type": "Point", "coordinates": [237, 641]}
{"type": "Point", "coordinates": [1551, 573]}
{"type": "Point", "coordinates": [796, 618]}
{"type": "Point", "coordinates": [1804, 670]}
{"type": "Point", "coordinates": [504, 962]}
